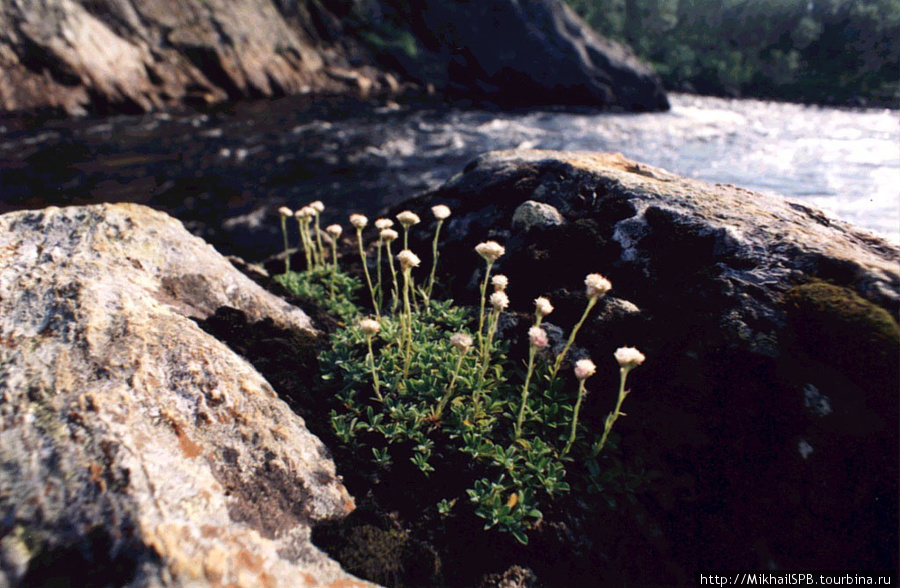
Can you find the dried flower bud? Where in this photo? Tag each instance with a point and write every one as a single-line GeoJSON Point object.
{"type": "Point", "coordinates": [334, 230]}
{"type": "Point", "coordinates": [359, 221]}
{"type": "Point", "coordinates": [317, 206]}
{"type": "Point", "coordinates": [538, 337]}
{"type": "Point", "coordinates": [461, 341]}
{"type": "Point", "coordinates": [584, 369]}
{"type": "Point", "coordinates": [629, 357]}
{"type": "Point", "coordinates": [388, 235]}
{"type": "Point", "coordinates": [384, 223]}
{"type": "Point", "coordinates": [490, 250]}
{"type": "Point", "coordinates": [543, 306]}
{"type": "Point", "coordinates": [369, 327]}
{"type": "Point", "coordinates": [500, 282]}
{"type": "Point", "coordinates": [305, 213]}
{"type": "Point", "coordinates": [285, 211]}
{"type": "Point", "coordinates": [499, 300]}
{"type": "Point", "coordinates": [408, 218]}
{"type": "Point", "coordinates": [440, 211]}
{"type": "Point", "coordinates": [408, 259]}
{"type": "Point", "coordinates": [597, 286]}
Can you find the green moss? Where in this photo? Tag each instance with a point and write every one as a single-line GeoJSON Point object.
{"type": "Point", "coordinates": [375, 554]}
{"type": "Point", "coordinates": [840, 328]}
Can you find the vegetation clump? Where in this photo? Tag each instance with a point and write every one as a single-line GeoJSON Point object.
{"type": "Point", "coordinates": [425, 383]}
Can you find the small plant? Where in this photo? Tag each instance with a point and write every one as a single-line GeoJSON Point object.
{"type": "Point", "coordinates": [408, 386]}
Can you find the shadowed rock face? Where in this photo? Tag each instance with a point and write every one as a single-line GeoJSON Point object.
{"type": "Point", "coordinates": [136, 449]}
{"type": "Point", "coordinates": [524, 52]}
{"type": "Point", "coordinates": [768, 403]}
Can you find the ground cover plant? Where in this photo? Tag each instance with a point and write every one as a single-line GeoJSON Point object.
{"type": "Point", "coordinates": [428, 384]}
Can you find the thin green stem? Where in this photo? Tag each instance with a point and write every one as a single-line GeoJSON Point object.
{"type": "Point", "coordinates": [395, 293]}
{"type": "Point", "coordinates": [334, 264]}
{"type": "Point", "coordinates": [574, 418]}
{"type": "Point", "coordinates": [303, 225]}
{"type": "Point", "coordinates": [493, 319]}
{"type": "Point", "coordinates": [407, 311]}
{"type": "Point", "coordinates": [559, 358]}
{"type": "Point", "coordinates": [320, 249]}
{"type": "Point", "coordinates": [449, 393]}
{"type": "Point", "coordinates": [371, 360]}
{"type": "Point", "coordinates": [287, 254]}
{"type": "Point", "coordinates": [362, 256]}
{"type": "Point", "coordinates": [487, 277]}
{"type": "Point", "coordinates": [434, 251]}
{"type": "Point", "coordinates": [378, 286]}
{"type": "Point", "coordinates": [611, 417]}
{"type": "Point", "coordinates": [532, 350]}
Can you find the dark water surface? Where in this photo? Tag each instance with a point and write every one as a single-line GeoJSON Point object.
{"type": "Point", "coordinates": [226, 173]}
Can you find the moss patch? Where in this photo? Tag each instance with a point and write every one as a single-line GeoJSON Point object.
{"type": "Point", "coordinates": [840, 328]}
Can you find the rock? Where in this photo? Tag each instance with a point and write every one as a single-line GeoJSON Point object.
{"type": "Point", "coordinates": [112, 56]}
{"type": "Point", "coordinates": [767, 410]}
{"type": "Point", "coordinates": [516, 52]}
{"type": "Point", "coordinates": [532, 214]}
{"type": "Point", "coordinates": [136, 449]}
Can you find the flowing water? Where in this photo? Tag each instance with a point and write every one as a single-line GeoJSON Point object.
{"type": "Point", "coordinates": [225, 173]}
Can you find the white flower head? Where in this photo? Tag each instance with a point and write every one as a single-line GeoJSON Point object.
{"type": "Point", "coordinates": [359, 221]}
{"type": "Point", "coordinates": [440, 211]}
{"type": "Point", "coordinates": [408, 259]}
{"type": "Point", "coordinates": [408, 218]}
{"type": "Point", "coordinates": [305, 213]}
{"type": "Point", "coordinates": [596, 286]}
{"type": "Point", "coordinates": [499, 300]}
{"type": "Point", "coordinates": [543, 306]}
{"type": "Point", "coordinates": [334, 230]}
{"type": "Point", "coordinates": [388, 235]}
{"type": "Point", "coordinates": [500, 282]}
{"type": "Point", "coordinates": [369, 327]}
{"type": "Point", "coordinates": [285, 211]}
{"type": "Point", "coordinates": [490, 250]}
{"type": "Point", "coordinates": [461, 341]}
{"type": "Point", "coordinates": [317, 206]}
{"type": "Point", "coordinates": [584, 369]}
{"type": "Point", "coordinates": [384, 223]}
{"type": "Point", "coordinates": [629, 357]}
{"type": "Point", "coordinates": [538, 337]}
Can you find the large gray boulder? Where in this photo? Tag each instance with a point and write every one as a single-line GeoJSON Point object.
{"type": "Point", "coordinates": [519, 53]}
{"type": "Point", "coordinates": [766, 414]}
{"type": "Point", "coordinates": [135, 448]}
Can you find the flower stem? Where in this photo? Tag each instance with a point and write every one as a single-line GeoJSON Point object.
{"type": "Point", "coordinates": [532, 350]}
{"type": "Point", "coordinates": [287, 255]}
{"type": "Point", "coordinates": [371, 360]}
{"type": "Point", "coordinates": [303, 225]}
{"type": "Point", "coordinates": [378, 286]}
{"type": "Point", "coordinates": [611, 417]}
{"type": "Point", "coordinates": [449, 393]}
{"type": "Point", "coordinates": [362, 256]}
{"type": "Point", "coordinates": [487, 277]}
{"type": "Point", "coordinates": [395, 293]}
{"type": "Point", "coordinates": [320, 250]}
{"type": "Point", "coordinates": [559, 358]}
{"type": "Point", "coordinates": [574, 418]}
{"type": "Point", "coordinates": [334, 265]}
{"type": "Point", "coordinates": [434, 251]}
{"type": "Point", "coordinates": [407, 312]}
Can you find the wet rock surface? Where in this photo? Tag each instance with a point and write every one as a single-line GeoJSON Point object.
{"type": "Point", "coordinates": [766, 414]}
{"type": "Point", "coordinates": [136, 449]}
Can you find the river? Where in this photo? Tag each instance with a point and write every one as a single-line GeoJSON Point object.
{"type": "Point", "coordinates": [225, 173]}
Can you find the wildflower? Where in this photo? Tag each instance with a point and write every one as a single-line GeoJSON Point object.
{"type": "Point", "coordinates": [408, 218]}
{"type": "Point", "coordinates": [334, 230]}
{"type": "Point", "coordinates": [359, 221]}
{"type": "Point", "coordinates": [584, 369]}
{"type": "Point", "coordinates": [629, 358]}
{"type": "Point", "coordinates": [500, 282]}
{"type": "Point", "coordinates": [440, 212]}
{"type": "Point", "coordinates": [538, 337]}
{"type": "Point", "coordinates": [285, 212]}
{"type": "Point", "coordinates": [499, 300]}
{"type": "Point", "coordinates": [388, 235]}
{"type": "Point", "coordinates": [384, 223]}
{"type": "Point", "coordinates": [317, 206]}
{"type": "Point", "coordinates": [369, 327]}
{"type": "Point", "coordinates": [408, 259]}
{"type": "Point", "coordinates": [596, 286]}
{"type": "Point", "coordinates": [306, 213]}
{"type": "Point", "coordinates": [461, 342]}
{"type": "Point", "coordinates": [542, 306]}
{"type": "Point", "coordinates": [490, 250]}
